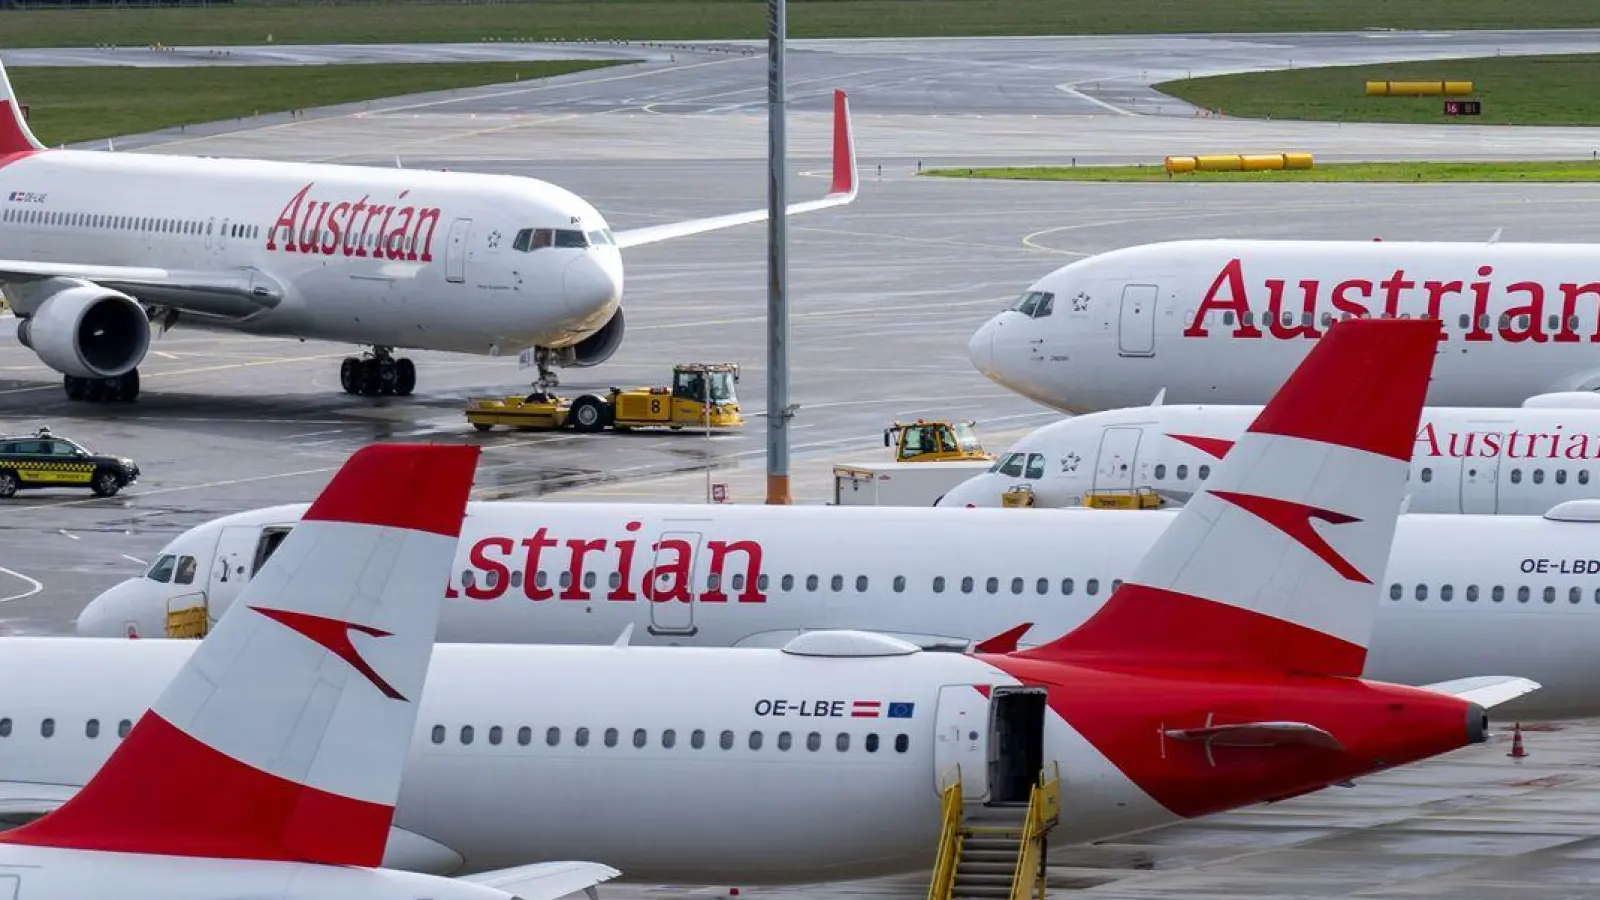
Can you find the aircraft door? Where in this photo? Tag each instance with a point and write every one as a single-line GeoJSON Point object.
{"type": "Point", "coordinates": [1480, 476]}
{"type": "Point", "coordinates": [1016, 743]}
{"type": "Point", "coordinates": [673, 576]}
{"type": "Point", "coordinates": [1114, 470]}
{"type": "Point", "coordinates": [455, 254]}
{"type": "Point", "coordinates": [1136, 326]}
{"type": "Point", "coordinates": [9, 886]}
{"type": "Point", "coordinates": [231, 567]}
{"type": "Point", "coordinates": [961, 742]}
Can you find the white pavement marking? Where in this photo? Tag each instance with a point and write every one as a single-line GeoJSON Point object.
{"type": "Point", "coordinates": [133, 559]}
{"type": "Point", "coordinates": [36, 586]}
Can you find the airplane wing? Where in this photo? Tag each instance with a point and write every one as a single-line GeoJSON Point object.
{"type": "Point", "coordinates": [231, 293]}
{"type": "Point", "coordinates": [1485, 690]}
{"type": "Point", "coordinates": [842, 191]}
{"type": "Point", "coordinates": [545, 881]}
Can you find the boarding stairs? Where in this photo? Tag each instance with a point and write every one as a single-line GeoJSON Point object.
{"type": "Point", "coordinates": [995, 852]}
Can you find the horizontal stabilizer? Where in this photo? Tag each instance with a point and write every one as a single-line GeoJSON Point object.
{"type": "Point", "coordinates": [1259, 734]}
{"type": "Point", "coordinates": [1004, 642]}
{"type": "Point", "coordinates": [1485, 690]}
{"type": "Point", "coordinates": [545, 881]}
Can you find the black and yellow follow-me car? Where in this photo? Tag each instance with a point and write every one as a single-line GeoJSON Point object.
{"type": "Point", "coordinates": [42, 460]}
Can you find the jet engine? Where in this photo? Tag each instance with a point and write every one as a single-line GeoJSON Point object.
{"type": "Point", "coordinates": [599, 347]}
{"type": "Point", "coordinates": [87, 331]}
{"type": "Point", "coordinates": [1563, 400]}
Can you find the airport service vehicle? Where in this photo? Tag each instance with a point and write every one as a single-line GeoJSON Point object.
{"type": "Point", "coordinates": [934, 441]}
{"type": "Point", "coordinates": [826, 759]}
{"type": "Point", "coordinates": [901, 483]}
{"type": "Point", "coordinates": [702, 395]}
{"type": "Point", "coordinates": [1223, 321]}
{"type": "Point", "coordinates": [43, 460]}
{"type": "Point", "coordinates": [1516, 461]}
{"type": "Point", "coordinates": [104, 247]}
{"type": "Point", "coordinates": [270, 762]}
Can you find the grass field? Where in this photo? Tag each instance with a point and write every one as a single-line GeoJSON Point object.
{"type": "Point", "coordinates": [79, 104]}
{"type": "Point", "coordinates": [1535, 90]}
{"type": "Point", "coordinates": [253, 22]}
{"type": "Point", "coordinates": [1411, 172]}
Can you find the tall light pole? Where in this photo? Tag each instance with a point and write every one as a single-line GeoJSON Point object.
{"type": "Point", "coordinates": [778, 411]}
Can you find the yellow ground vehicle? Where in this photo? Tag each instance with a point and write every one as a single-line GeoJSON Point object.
{"type": "Point", "coordinates": [936, 441]}
{"type": "Point", "coordinates": [701, 395]}
{"type": "Point", "coordinates": [1138, 498]}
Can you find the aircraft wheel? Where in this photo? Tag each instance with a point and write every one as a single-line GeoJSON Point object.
{"type": "Point", "coordinates": [77, 388]}
{"type": "Point", "coordinates": [127, 389]}
{"type": "Point", "coordinates": [588, 415]}
{"type": "Point", "coordinates": [405, 377]}
{"type": "Point", "coordinates": [386, 377]}
{"type": "Point", "coordinates": [350, 374]}
{"type": "Point", "coordinates": [367, 383]}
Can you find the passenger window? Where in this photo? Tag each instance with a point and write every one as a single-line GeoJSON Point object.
{"type": "Point", "coordinates": [1561, 476]}
{"type": "Point", "coordinates": [1464, 320]}
{"type": "Point", "coordinates": [761, 582]}
{"type": "Point", "coordinates": [697, 739]}
{"type": "Point", "coordinates": [524, 735]}
{"type": "Point", "coordinates": [966, 584]}
{"type": "Point", "coordinates": [611, 737]}
{"type": "Point", "coordinates": [1516, 476]}
{"type": "Point", "coordinates": [1016, 585]}
{"type": "Point", "coordinates": [726, 741]}
{"type": "Point", "coordinates": [938, 584]}
{"type": "Point", "coordinates": [580, 737]}
{"type": "Point", "coordinates": [5, 727]}
{"type": "Point", "coordinates": [861, 584]}
{"type": "Point", "coordinates": [123, 727]}
{"type": "Point", "coordinates": [495, 733]}
{"type": "Point", "coordinates": [1422, 592]}
{"type": "Point", "coordinates": [811, 582]}
{"type": "Point", "coordinates": [1427, 474]}
{"type": "Point", "coordinates": [1227, 317]}
{"type": "Point", "coordinates": [552, 736]}
{"type": "Point", "coordinates": [1042, 587]}
{"type": "Point", "coordinates": [438, 734]}
{"type": "Point", "coordinates": [837, 583]}
{"type": "Point", "coordinates": [1575, 595]}
{"type": "Point", "coordinates": [1161, 471]}
{"type": "Point", "coordinates": [1550, 594]}
{"type": "Point", "coordinates": [640, 737]}
{"type": "Point", "coordinates": [92, 727]}
{"type": "Point", "coordinates": [1066, 586]}
{"type": "Point", "coordinates": [466, 734]}
{"type": "Point", "coordinates": [1395, 590]}
{"type": "Point", "coordinates": [1472, 593]}
{"type": "Point", "coordinates": [1498, 594]}
{"type": "Point", "coordinates": [901, 742]}
{"type": "Point", "coordinates": [1523, 594]}
{"type": "Point", "coordinates": [1092, 586]}
{"type": "Point", "coordinates": [1205, 472]}
{"type": "Point", "coordinates": [788, 582]}
{"type": "Point", "coordinates": [842, 742]}
{"type": "Point", "coordinates": [872, 743]}
{"type": "Point", "coordinates": [1183, 472]}
{"type": "Point", "coordinates": [668, 738]}
{"type": "Point", "coordinates": [48, 727]}
{"type": "Point", "coordinates": [899, 583]}
{"type": "Point", "coordinates": [993, 585]}
{"type": "Point", "coordinates": [813, 741]}
{"type": "Point", "coordinates": [1538, 476]}
{"type": "Point", "coordinates": [785, 740]}
{"type": "Point", "coordinates": [755, 740]}
{"type": "Point", "coordinates": [1446, 592]}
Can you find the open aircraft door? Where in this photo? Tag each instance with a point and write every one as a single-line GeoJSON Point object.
{"type": "Point", "coordinates": [674, 569]}
{"type": "Point", "coordinates": [1136, 323]}
{"type": "Point", "coordinates": [1113, 469]}
{"type": "Point", "coordinates": [1480, 475]}
{"type": "Point", "coordinates": [455, 253]}
{"type": "Point", "coordinates": [961, 742]}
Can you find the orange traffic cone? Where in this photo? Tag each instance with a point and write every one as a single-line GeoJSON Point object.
{"type": "Point", "coordinates": [1516, 743]}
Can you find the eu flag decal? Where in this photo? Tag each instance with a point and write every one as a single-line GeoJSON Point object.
{"type": "Point", "coordinates": [901, 710]}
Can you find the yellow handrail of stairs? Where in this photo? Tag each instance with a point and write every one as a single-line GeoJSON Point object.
{"type": "Point", "coordinates": [949, 854]}
{"type": "Point", "coordinates": [1044, 811]}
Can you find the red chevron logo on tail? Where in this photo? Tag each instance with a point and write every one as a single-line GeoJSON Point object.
{"type": "Point", "coordinates": [334, 636]}
{"type": "Point", "coordinates": [1294, 520]}
{"type": "Point", "coordinates": [1217, 447]}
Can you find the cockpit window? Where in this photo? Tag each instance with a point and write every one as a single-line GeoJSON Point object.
{"type": "Point", "coordinates": [601, 238]}
{"type": "Point", "coordinates": [1013, 465]}
{"type": "Point", "coordinates": [1034, 304]}
{"type": "Point", "coordinates": [566, 237]}
{"type": "Point", "coordinates": [1035, 466]}
{"type": "Point", "coordinates": [531, 239]}
{"type": "Point", "coordinates": [161, 569]}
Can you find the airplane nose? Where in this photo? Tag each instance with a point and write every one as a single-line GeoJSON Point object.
{"type": "Point", "coordinates": [119, 612]}
{"type": "Point", "coordinates": [968, 494]}
{"type": "Point", "coordinates": [980, 349]}
{"type": "Point", "coordinates": [593, 282]}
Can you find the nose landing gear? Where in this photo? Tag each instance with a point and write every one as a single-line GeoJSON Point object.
{"type": "Point", "coordinates": [544, 358]}
{"type": "Point", "coordinates": [378, 373]}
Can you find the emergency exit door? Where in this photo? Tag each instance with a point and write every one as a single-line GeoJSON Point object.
{"type": "Point", "coordinates": [673, 573]}
{"type": "Point", "coordinates": [961, 741]}
{"type": "Point", "coordinates": [1136, 324]}
{"type": "Point", "coordinates": [1113, 469]}
{"type": "Point", "coordinates": [1480, 476]}
{"type": "Point", "coordinates": [455, 254]}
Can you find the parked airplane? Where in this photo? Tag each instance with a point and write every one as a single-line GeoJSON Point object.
{"type": "Point", "coordinates": [1224, 673]}
{"type": "Point", "coordinates": [270, 763]}
{"type": "Point", "coordinates": [1465, 460]}
{"type": "Point", "coordinates": [104, 245]}
{"type": "Point", "coordinates": [1223, 321]}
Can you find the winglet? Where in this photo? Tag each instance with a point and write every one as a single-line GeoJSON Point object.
{"type": "Point", "coordinates": [15, 135]}
{"type": "Point", "coordinates": [279, 739]}
{"type": "Point", "coordinates": [844, 149]}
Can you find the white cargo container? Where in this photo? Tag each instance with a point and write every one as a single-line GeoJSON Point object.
{"type": "Point", "coordinates": [900, 484]}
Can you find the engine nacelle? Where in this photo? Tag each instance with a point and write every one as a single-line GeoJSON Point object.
{"type": "Point", "coordinates": [87, 331]}
{"type": "Point", "coordinates": [1563, 400]}
{"type": "Point", "coordinates": [600, 346]}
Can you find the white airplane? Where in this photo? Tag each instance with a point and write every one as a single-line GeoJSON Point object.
{"type": "Point", "coordinates": [1224, 673]}
{"type": "Point", "coordinates": [104, 247]}
{"type": "Point", "coordinates": [1517, 461]}
{"type": "Point", "coordinates": [270, 763]}
{"type": "Point", "coordinates": [1223, 321]}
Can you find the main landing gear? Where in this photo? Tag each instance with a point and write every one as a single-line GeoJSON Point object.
{"type": "Point", "coordinates": [378, 373]}
{"type": "Point", "coordinates": [122, 388]}
{"type": "Point", "coordinates": [543, 357]}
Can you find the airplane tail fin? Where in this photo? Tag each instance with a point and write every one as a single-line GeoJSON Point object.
{"type": "Point", "coordinates": [1274, 563]}
{"type": "Point", "coordinates": [284, 736]}
{"type": "Point", "coordinates": [15, 135]}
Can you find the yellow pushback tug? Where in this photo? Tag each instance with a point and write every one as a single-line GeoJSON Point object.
{"type": "Point", "coordinates": [702, 395]}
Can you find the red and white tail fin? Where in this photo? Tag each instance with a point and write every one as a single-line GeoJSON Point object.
{"type": "Point", "coordinates": [15, 135]}
{"type": "Point", "coordinates": [1275, 563]}
{"type": "Point", "coordinates": [284, 736]}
